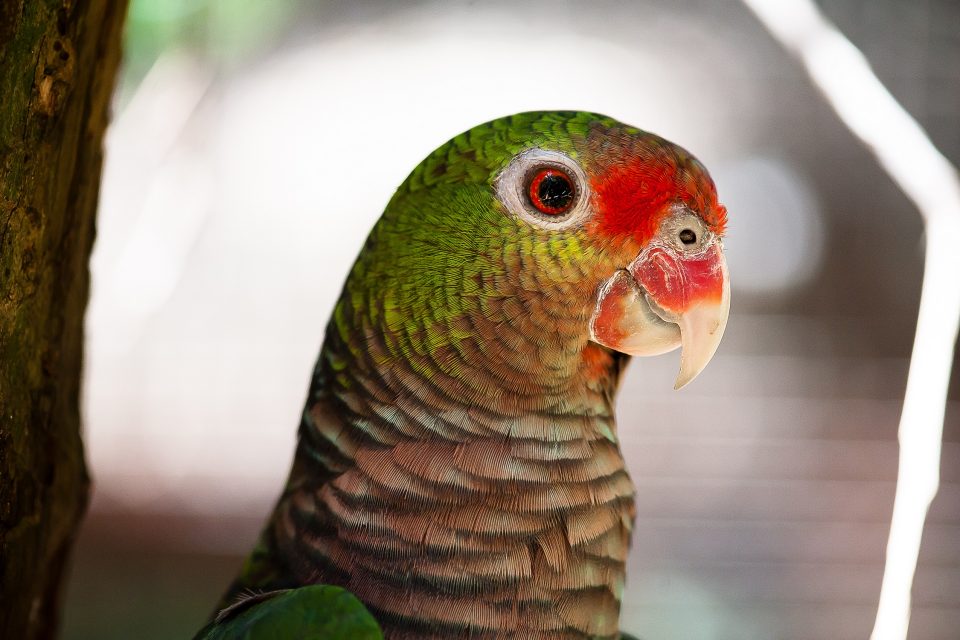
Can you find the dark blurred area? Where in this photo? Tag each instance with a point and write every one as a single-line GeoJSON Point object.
{"type": "Point", "coordinates": [228, 221]}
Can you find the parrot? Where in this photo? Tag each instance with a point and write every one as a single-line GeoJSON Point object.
{"type": "Point", "coordinates": [458, 472]}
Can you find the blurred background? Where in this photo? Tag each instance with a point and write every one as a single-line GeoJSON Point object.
{"type": "Point", "coordinates": [254, 143]}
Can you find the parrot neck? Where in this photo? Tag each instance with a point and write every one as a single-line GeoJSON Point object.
{"type": "Point", "coordinates": [463, 495]}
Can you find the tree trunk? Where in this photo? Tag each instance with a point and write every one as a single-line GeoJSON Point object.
{"type": "Point", "coordinates": [58, 61]}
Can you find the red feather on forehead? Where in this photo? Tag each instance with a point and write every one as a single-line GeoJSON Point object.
{"type": "Point", "coordinates": [631, 199]}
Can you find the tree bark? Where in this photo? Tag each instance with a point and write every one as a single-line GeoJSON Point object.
{"type": "Point", "coordinates": [58, 61]}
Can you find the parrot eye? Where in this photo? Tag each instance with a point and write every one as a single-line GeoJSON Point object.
{"type": "Point", "coordinates": [551, 191]}
{"type": "Point", "coordinates": [688, 236]}
{"type": "Point", "coordinates": [544, 188]}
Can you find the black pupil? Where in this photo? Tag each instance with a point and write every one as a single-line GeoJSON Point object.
{"type": "Point", "coordinates": [687, 236]}
{"type": "Point", "coordinates": [555, 191]}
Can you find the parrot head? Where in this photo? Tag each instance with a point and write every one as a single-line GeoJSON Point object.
{"type": "Point", "coordinates": [547, 237]}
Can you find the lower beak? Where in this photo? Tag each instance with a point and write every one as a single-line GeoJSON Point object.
{"type": "Point", "coordinates": [662, 301]}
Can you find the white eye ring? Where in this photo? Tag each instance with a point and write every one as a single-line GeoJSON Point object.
{"type": "Point", "coordinates": [512, 183]}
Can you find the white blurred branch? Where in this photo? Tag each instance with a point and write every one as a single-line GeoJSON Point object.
{"type": "Point", "coordinates": [841, 72]}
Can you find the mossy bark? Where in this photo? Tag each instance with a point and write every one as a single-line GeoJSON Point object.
{"type": "Point", "coordinates": [58, 61]}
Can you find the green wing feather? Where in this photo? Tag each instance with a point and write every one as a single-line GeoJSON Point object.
{"type": "Point", "coordinates": [315, 612]}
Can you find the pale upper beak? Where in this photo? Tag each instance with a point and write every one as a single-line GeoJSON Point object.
{"type": "Point", "coordinates": [663, 300]}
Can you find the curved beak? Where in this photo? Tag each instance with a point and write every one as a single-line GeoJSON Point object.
{"type": "Point", "coordinates": [664, 300]}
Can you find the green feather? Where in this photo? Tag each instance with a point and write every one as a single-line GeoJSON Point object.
{"type": "Point", "coordinates": [316, 612]}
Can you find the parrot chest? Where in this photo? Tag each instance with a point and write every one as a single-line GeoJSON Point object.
{"type": "Point", "coordinates": [513, 538]}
